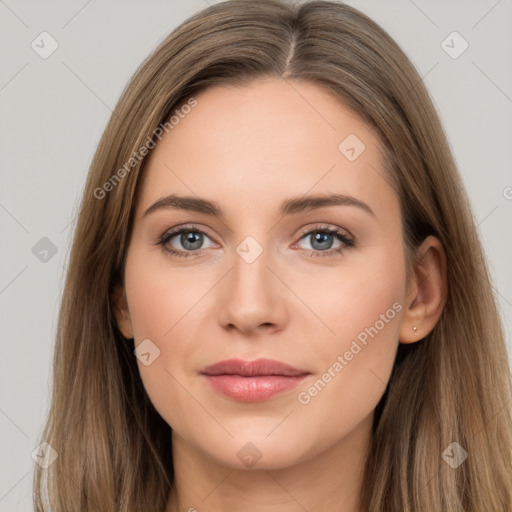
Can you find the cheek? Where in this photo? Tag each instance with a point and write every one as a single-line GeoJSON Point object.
{"type": "Point", "coordinates": [362, 311]}
{"type": "Point", "coordinates": [159, 297]}
{"type": "Point", "coordinates": [355, 300]}
{"type": "Point", "coordinates": [165, 307]}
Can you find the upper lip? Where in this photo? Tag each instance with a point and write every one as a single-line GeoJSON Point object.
{"type": "Point", "coordinates": [258, 367]}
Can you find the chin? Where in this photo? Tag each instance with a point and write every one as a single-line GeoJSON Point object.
{"type": "Point", "coordinates": [259, 454]}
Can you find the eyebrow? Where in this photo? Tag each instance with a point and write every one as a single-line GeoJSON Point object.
{"type": "Point", "coordinates": [290, 206]}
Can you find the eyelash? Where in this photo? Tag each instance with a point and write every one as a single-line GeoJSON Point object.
{"type": "Point", "coordinates": [347, 242]}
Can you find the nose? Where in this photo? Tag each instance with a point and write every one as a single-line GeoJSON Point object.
{"type": "Point", "coordinates": [252, 297]}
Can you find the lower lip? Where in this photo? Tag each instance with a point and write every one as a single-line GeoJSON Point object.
{"type": "Point", "coordinates": [253, 389]}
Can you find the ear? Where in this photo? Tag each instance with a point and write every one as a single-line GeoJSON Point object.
{"type": "Point", "coordinates": [426, 291]}
{"type": "Point", "coordinates": [121, 312]}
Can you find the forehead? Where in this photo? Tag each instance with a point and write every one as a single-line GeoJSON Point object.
{"type": "Point", "coordinates": [265, 141]}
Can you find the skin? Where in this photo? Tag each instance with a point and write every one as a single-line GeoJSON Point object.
{"type": "Point", "coordinates": [249, 148]}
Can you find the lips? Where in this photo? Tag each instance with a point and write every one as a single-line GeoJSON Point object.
{"type": "Point", "coordinates": [252, 381]}
{"type": "Point", "coordinates": [259, 367]}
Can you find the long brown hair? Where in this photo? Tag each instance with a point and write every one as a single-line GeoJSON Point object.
{"type": "Point", "coordinates": [114, 450]}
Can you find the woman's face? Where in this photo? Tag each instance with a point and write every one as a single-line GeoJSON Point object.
{"type": "Point", "coordinates": [267, 279]}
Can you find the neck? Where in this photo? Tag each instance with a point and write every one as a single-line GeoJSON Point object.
{"type": "Point", "coordinates": [330, 480]}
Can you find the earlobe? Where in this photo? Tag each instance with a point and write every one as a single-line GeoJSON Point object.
{"type": "Point", "coordinates": [427, 291]}
{"type": "Point", "coordinates": [122, 313]}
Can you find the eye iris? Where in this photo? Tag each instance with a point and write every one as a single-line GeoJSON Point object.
{"type": "Point", "coordinates": [321, 238]}
{"type": "Point", "coordinates": [195, 239]}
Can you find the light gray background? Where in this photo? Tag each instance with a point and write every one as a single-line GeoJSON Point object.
{"type": "Point", "coordinates": [53, 112]}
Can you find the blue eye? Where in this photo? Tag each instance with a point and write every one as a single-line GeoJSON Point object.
{"type": "Point", "coordinates": [322, 238]}
{"type": "Point", "coordinates": [191, 239]}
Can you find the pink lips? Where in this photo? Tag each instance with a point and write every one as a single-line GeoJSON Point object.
{"type": "Point", "coordinates": [252, 381]}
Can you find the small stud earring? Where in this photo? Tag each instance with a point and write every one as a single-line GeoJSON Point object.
{"type": "Point", "coordinates": [414, 328]}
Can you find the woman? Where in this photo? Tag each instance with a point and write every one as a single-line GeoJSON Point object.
{"type": "Point", "coordinates": [276, 296]}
